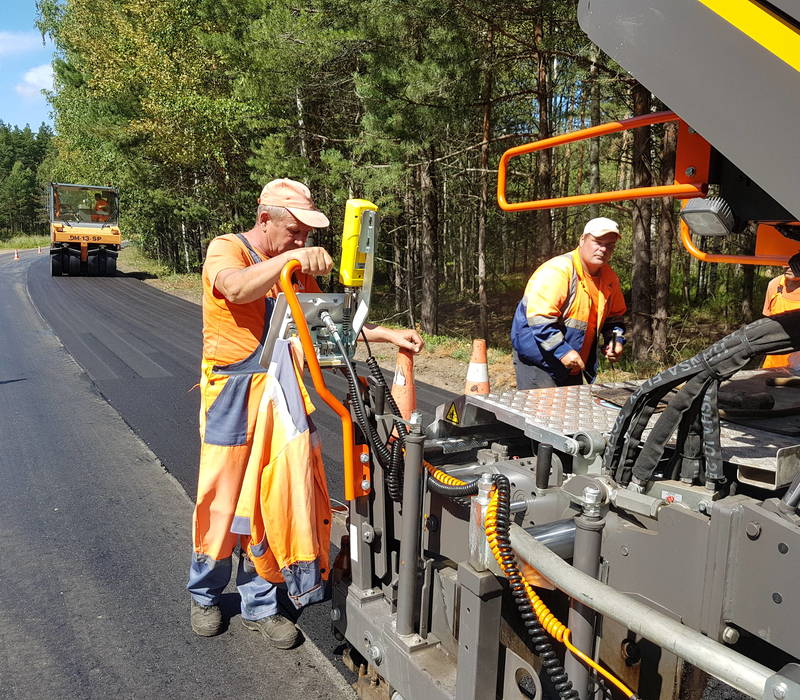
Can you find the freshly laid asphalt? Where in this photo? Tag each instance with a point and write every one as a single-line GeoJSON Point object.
{"type": "Point", "coordinates": [98, 467]}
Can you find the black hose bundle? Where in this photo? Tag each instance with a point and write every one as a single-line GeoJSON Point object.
{"type": "Point", "coordinates": [542, 644]}
{"type": "Point", "coordinates": [627, 458]}
{"type": "Point", "coordinates": [394, 467]}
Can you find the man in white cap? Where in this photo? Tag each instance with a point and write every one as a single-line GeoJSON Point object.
{"type": "Point", "coordinates": [240, 276]}
{"type": "Point", "coordinates": [569, 302]}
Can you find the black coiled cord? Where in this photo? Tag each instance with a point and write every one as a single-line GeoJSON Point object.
{"type": "Point", "coordinates": [394, 466]}
{"type": "Point", "coordinates": [542, 644]}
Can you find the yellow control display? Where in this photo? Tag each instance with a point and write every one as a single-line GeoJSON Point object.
{"type": "Point", "coordinates": [351, 269]}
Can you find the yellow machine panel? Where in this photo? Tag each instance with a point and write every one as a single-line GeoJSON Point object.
{"type": "Point", "coordinates": [351, 270]}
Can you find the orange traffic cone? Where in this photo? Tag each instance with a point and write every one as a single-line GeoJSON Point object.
{"type": "Point", "coordinates": [16, 254]}
{"type": "Point", "coordinates": [404, 390]}
{"type": "Point", "coordinates": [478, 372]}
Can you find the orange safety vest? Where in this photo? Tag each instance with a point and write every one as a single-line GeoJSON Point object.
{"type": "Point", "coordinates": [778, 303]}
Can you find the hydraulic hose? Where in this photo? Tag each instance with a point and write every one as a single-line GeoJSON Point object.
{"type": "Point", "coordinates": [497, 524]}
{"type": "Point", "coordinates": [628, 458]}
{"type": "Point", "coordinates": [538, 619]}
{"type": "Point", "coordinates": [394, 468]}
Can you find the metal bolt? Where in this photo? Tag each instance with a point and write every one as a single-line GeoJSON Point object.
{"type": "Point", "coordinates": [704, 507]}
{"type": "Point", "coordinates": [365, 485]}
{"type": "Point", "coordinates": [779, 691]}
{"type": "Point", "coordinates": [416, 419]}
{"type": "Point", "coordinates": [364, 458]}
{"type": "Point", "coordinates": [690, 171]}
{"type": "Point", "coordinates": [374, 652]}
{"type": "Point", "coordinates": [625, 551]}
{"type": "Point", "coordinates": [591, 500]}
{"type": "Point", "coordinates": [336, 614]}
{"type": "Point", "coordinates": [753, 530]}
{"type": "Point", "coordinates": [730, 635]}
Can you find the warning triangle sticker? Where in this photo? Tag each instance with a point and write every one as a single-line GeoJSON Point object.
{"type": "Point", "coordinates": [452, 414]}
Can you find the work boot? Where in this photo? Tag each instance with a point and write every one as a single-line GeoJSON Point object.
{"type": "Point", "coordinates": [206, 619]}
{"type": "Point", "coordinates": [276, 629]}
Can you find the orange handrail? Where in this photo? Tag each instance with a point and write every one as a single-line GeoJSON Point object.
{"type": "Point", "coordinates": [352, 489]}
{"type": "Point", "coordinates": [693, 187]}
{"type": "Point", "coordinates": [686, 239]}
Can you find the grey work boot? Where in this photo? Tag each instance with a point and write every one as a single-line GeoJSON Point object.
{"type": "Point", "coordinates": [276, 629]}
{"type": "Point", "coordinates": [206, 619]}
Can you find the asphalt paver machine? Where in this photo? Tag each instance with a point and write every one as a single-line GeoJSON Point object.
{"type": "Point", "coordinates": [629, 540]}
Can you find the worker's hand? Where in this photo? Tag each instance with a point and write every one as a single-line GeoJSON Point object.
{"type": "Point", "coordinates": [613, 351]}
{"type": "Point", "coordinates": [313, 261]}
{"type": "Point", "coordinates": [573, 362]}
{"type": "Point", "coordinates": [405, 338]}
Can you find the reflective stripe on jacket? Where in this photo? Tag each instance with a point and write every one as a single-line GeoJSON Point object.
{"type": "Point", "coordinates": [564, 309]}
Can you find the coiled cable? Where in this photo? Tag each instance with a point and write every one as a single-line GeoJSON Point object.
{"type": "Point", "coordinates": [536, 616]}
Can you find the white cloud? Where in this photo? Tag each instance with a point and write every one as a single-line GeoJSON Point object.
{"type": "Point", "coordinates": [35, 80]}
{"type": "Point", "coordinates": [13, 43]}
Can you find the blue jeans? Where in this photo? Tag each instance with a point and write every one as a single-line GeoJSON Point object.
{"type": "Point", "coordinates": [208, 578]}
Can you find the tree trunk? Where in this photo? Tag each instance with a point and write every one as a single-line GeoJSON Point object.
{"type": "Point", "coordinates": [429, 249]}
{"type": "Point", "coordinates": [594, 144]}
{"type": "Point", "coordinates": [666, 234]}
{"type": "Point", "coordinates": [483, 304]}
{"type": "Point", "coordinates": [641, 278]}
{"type": "Point", "coordinates": [411, 228]}
{"type": "Point", "coordinates": [544, 159]}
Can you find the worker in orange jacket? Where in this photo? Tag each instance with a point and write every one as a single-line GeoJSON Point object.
{"type": "Point", "coordinates": [783, 294]}
{"type": "Point", "coordinates": [101, 208]}
{"type": "Point", "coordinates": [569, 302]}
{"type": "Point", "coordinates": [254, 428]}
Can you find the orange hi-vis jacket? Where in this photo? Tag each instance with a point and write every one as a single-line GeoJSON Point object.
{"type": "Point", "coordinates": [283, 504]}
{"type": "Point", "coordinates": [261, 482]}
{"type": "Point", "coordinates": [778, 301]}
{"type": "Point", "coordinates": [564, 309]}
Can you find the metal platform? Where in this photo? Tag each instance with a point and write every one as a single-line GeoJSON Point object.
{"type": "Point", "coordinates": [765, 459]}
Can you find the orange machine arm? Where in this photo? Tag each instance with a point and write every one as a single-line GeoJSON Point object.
{"type": "Point", "coordinates": [686, 239]}
{"type": "Point", "coordinates": [353, 469]}
{"type": "Point", "coordinates": [691, 171]}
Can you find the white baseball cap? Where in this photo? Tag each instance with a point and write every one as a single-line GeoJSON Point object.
{"type": "Point", "coordinates": [600, 226]}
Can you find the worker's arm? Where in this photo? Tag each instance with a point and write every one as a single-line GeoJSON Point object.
{"type": "Point", "coordinates": [404, 338]}
{"type": "Point", "coordinates": [614, 326]}
{"type": "Point", "coordinates": [243, 285]}
{"type": "Point", "coordinates": [769, 297]}
{"type": "Point", "coordinates": [545, 294]}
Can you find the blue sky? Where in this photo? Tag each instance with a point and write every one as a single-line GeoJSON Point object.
{"type": "Point", "coordinates": [24, 66]}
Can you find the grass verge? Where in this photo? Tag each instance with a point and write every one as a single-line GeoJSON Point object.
{"type": "Point", "coordinates": [23, 242]}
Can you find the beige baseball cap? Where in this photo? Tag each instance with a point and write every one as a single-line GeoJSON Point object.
{"type": "Point", "coordinates": [601, 226]}
{"type": "Point", "coordinates": [295, 197]}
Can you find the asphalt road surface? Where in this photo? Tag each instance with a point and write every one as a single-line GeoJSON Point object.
{"type": "Point", "coordinates": [98, 466]}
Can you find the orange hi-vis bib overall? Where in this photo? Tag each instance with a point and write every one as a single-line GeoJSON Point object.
{"type": "Point", "coordinates": [780, 301]}
{"type": "Point", "coordinates": [260, 456]}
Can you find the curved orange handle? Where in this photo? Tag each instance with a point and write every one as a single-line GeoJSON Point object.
{"type": "Point", "coordinates": [695, 187]}
{"type": "Point", "coordinates": [686, 239]}
{"type": "Point", "coordinates": [352, 469]}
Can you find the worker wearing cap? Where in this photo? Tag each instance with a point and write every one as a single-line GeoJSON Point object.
{"type": "Point", "coordinates": [783, 294]}
{"type": "Point", "coordinates": [569, 302]}
{"type": "Point", "coordinates": [240, 276]}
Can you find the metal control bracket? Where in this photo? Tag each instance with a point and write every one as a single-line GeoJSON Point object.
{"type": "Point", "coordinates": [282, 326]}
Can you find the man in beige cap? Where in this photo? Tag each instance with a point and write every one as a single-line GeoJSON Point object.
{"type": "Point", "coordinates": [569, 301]}
{"type": "Point", "coordinates": [240, 276]}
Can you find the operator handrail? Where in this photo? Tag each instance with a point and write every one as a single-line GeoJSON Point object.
{"type": "Point", "coordinates": [285, 283]}
{"type": "Point", "coordinates": [702, 256]}
{"type": "Point", "coordinates": [680, 190]}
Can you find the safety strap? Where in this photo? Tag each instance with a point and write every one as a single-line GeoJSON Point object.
{"type": "Point", "coordinates": [255, 256]}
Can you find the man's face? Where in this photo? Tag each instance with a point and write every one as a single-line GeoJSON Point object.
{"type": "Point", "coordinates": [598, 251]}
{"type": "Point", "coordinates": [285, 233]}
